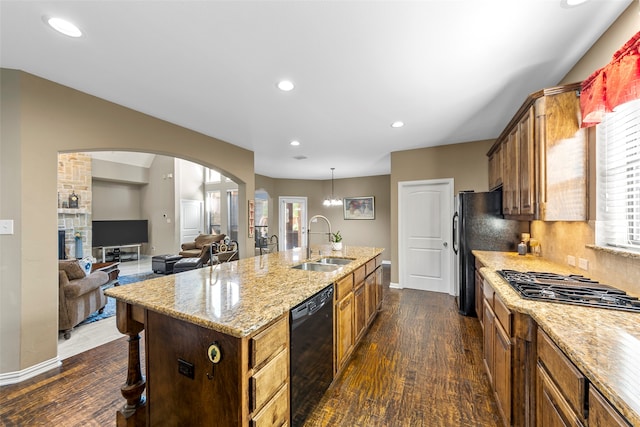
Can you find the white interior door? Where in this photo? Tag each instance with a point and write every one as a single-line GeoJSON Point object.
{"type": "Point", "coordinates": [191, 220]}
{"type": "Point", "coordinates": [424, 246]}
{"type": "Point", "coordinates": [292, 222]}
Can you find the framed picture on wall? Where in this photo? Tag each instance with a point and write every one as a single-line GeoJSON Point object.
{"type": "Point", "coordinates": [359, 207]}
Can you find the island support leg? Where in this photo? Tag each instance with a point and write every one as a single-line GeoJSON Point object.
{"type": "Point", "coordinates": [133, 413]}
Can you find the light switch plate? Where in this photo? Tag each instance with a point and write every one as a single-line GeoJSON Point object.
{"type": "Point", "coordinates": [6, 226]}
{"type": "Point", "coordinates": [571, 260]}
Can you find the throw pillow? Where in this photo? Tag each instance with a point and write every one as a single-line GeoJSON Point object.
{"type": "Point", "coordinates": [86, 264]}
{"type": "Point", "coordinates": [72, 268]}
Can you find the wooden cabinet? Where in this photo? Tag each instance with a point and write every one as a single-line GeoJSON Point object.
{"type": "Point", "coordinates": [561, 393]}
{"type": "Point", "coordinates": [543, 158]}
{"type": "Point", "coordinates": [509, 358]}
{"type": "Point", "coordinates": [371, 295]}
{"type": "Point", "coordinates": [343, 319]}
{"type": "Point", "coordinates": [249, 385]}
{"type": "Point", "coordinates": [478, 293]}
{"type": "Point", "coordinates": [495, 167]}
{"type": "Point", "coordinates": [360, 313]}
{"type": "Point", "coordinates": [379, 282]}
{"type": "Point", "coordinates": [497, 350]}
{"type": "Point", "coordinates": [602, 413]}
{"type": "Point", "coordinates": [518, 164]}
{"type": "Point", "coordinates": [357, 298]}
{"type": "Point", "coordinates": [561, 387]}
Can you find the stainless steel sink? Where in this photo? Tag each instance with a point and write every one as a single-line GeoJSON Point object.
{"type": "Point", "coordinates": [316, 266]}
{"type": "Point", "coordinates": [337, 261]}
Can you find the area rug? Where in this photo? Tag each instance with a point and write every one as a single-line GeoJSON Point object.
{"type": "Point", "coordinates": [110, 308]}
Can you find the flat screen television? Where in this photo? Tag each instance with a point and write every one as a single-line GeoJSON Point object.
{"type": "Point", "coordinates": [120, 232]}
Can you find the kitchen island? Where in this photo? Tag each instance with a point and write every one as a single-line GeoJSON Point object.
{"type": "Point", "coordinates": [602, 344]}
{"type": "Point", "coordinates": [217, 338]}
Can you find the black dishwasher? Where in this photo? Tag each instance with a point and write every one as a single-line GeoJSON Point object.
{"type": "Point", "coordinates": [311, 353]}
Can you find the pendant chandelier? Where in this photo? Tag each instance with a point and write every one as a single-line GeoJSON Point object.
{"type": "Point", "coordinates": [333, 201]}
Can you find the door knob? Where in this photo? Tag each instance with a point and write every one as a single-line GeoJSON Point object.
{"type": "Point", "coordinates": [445, 244]}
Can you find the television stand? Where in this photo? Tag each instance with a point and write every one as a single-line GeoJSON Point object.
{"type": "Point", "coordinates": [105, 248]}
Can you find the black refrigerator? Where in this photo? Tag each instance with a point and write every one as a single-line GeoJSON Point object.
{"type": "Point", "coordinates": [478, 224]}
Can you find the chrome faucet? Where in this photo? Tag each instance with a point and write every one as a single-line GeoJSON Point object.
{"type": "Point", "coordinates": [315, 217]}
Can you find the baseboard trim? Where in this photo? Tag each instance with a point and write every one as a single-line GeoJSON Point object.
{"type": "Point", "coordinates": [30, 372]}
{"type": "Point", "coordinates": [395, 286]}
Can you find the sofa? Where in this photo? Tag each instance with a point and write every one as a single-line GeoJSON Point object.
{"type": "Point", "coordinates": [200, 247]}
{"type": "Point", "coordinates": [79, 295]}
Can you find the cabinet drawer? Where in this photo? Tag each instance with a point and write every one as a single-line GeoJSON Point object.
{"type": "Point", "coordinates": [379, 260]}
{"type": "Point", "coordinates": [358, 275]}
{"type": "Point", "coordinates": [268, 342]}
{"type": "Point", "coordinates": [275, 413]}
{"type": "Point", "coordinates": [601, 413]}
{"type": "Point", "coordinates": [268, 380]}
{"type": "Point", "coordinates": [344, 286]}
{"type": "Point", "coordinates": [552, 408]}
{"type": "Point", "coordinates": [370, 266]}
{"type": "Point", "coordinates": [503, 314]}
{"type": "Point", "coordinates": [568, 379]}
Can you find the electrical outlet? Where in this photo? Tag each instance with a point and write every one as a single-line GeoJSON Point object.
{"type": "Point", "coordinates": [583, 263]}
{"type": "Point", "coordinates": [571, 260]}
{"type": "Point", "coordinates": [185, 368]}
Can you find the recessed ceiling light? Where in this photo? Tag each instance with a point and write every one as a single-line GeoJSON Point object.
{"type": "Point", "coordinates": [295, 143]}
{"type": "Point", "coordinates": [63, 26]}
{"type": "Point", "coordinates": [285, 85]}
{"type": "Point", "coordinates": [397, 124]}
{"type": "Point", "coordinates": [572, 3]}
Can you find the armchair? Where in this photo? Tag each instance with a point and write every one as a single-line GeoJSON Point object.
{"type": "Point", "coordinates": [79, 295]}
{"type": "Point", "coordinates": [200, 247]}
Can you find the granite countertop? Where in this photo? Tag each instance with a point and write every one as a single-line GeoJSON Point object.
{"type": "Point", "coordinates": [239, 297]}
{"type": "Point", "coordinates": [604, 344]}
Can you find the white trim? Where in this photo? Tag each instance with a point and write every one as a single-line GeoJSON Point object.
{"type": "Point", "coordinates": [401, 250]}
{"type": "Point", "coordinates": [393, 285]}
{"type": "Point", "coordinates": [30, 372]}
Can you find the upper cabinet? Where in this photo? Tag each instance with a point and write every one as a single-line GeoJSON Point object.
{"type": "Point", "coordinates": [540, 159]}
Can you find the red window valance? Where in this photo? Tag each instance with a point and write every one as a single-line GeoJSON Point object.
{"type": "Point", "coordinates": [614, 84]}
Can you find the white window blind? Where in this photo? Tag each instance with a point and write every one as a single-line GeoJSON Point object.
{"type": "Point", "coordinates": [618, 142]}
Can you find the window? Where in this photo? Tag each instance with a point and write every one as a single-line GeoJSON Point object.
{"type": "Point", "coordinates": [618, 144]}
{"type": "Point", "coordinates": [213, 211]}
{"type": "Point", "coordinates": [232, 214]}
{"type": "Point", "coordinates": [212, 175]}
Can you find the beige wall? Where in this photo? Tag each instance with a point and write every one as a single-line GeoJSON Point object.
{"type": "Point", "coordinates": [466, 163]}
{"type": "Point", "coordinates": [40, 119]}
{"type": "Point", "coordinates": [560, 239]}
{"type": "Point", "coordinates": [356, 233]}
{"type": "Point", "coordinates": [159, 207]}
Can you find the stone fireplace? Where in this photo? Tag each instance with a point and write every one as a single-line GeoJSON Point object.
{"type": "Point", "coordinates": [74, 177]}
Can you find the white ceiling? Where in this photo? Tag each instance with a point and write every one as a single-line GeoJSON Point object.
{"type": "Point", "coordinates": [453, 71]}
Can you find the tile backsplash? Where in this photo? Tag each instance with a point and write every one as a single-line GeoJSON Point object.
{"type": "Point", "coordinates": [562, 239]}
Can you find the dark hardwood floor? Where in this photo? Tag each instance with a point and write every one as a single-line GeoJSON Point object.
{"type": "Point", "coordinates": [420, 365]}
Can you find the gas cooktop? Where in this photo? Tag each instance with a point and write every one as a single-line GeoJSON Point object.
{"type": "Point", "coordinates": [571, 289]}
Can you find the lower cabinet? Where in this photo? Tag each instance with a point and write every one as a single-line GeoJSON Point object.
{"type": "Point", "coordinates": [357, 297]}
{"type": "Point", "coordinates": [343, 320]}
{"type": "Point", "coordinates": [248, 385]}
{"type": "Point", "coordinates": [602, 413]}
{"type": "Point", "coordinates": [478, 293]}
{"type": "Point", "coordinates": [509, 358]}
{"type": "Point", "coordinates": [564, 397]}
{"type": "Point", "coordinates": [534, 382]}
{"type": "Point", "coordinates": [360, 313]}
{"type": "Point", "coordinates": [497, 350]}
